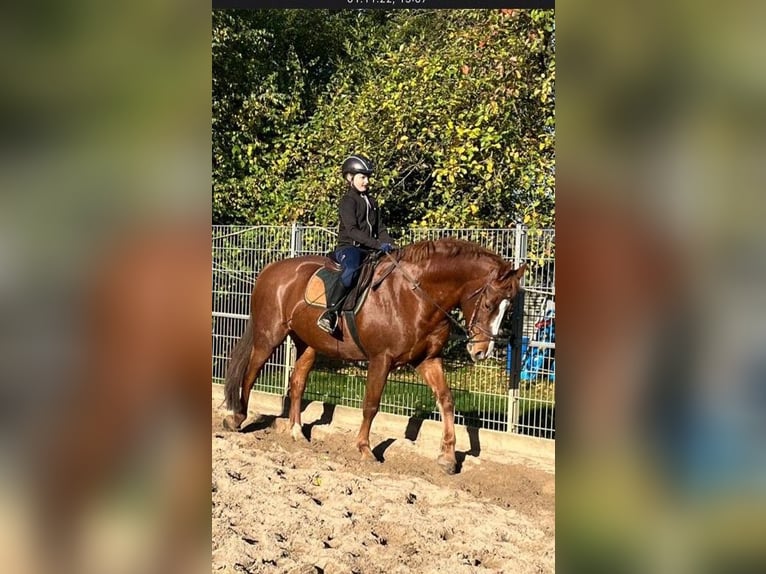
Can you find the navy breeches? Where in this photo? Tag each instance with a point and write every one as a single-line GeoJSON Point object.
{"type": "Point", "coordinates": [350, 259]}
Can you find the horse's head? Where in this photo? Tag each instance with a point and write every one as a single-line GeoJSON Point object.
{"type": "Point", "coordinates": [488, 305]}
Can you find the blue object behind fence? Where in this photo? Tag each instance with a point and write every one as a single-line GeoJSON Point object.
{"type": "Point", "coordinates": [537, 362]}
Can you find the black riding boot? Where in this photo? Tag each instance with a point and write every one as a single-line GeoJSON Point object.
{"type": "Point", "coordinates": [328, 320]}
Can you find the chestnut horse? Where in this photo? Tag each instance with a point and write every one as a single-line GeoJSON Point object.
{"type": "Point", "coordinates": [404, 320]}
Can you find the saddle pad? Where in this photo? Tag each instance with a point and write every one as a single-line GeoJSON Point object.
{"type": "Point", "coordinates": [314, 294]}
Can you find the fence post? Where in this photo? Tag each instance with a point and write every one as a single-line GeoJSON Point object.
{"type": "Point", "coordinates": [289, 360]}
{"type": "Point", "coordinates": [520, 245]}
{"type": "Point", "coordinates": [517, 332]}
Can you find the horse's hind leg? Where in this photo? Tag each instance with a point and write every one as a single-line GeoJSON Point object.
{"type": "Point", "coordinates": [431, 370]}
{"type": "Point", "coordinates": [261, 351]}
{"type": "Point", "coordinates": [377, 372]}
{"type": "Point", "coordinates": [303, 364]}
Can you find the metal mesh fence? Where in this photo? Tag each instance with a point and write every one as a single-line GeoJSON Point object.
{"type": "Point", "coordinates": [485, 394]}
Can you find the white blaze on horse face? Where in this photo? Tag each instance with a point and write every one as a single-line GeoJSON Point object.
{"type": "Point", "coordinates": [495, 325]}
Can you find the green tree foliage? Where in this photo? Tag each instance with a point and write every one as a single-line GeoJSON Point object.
{"type": "Point", "coordinates": [456, 108]}
{"type": "Point", "coordinates": [269, 69]}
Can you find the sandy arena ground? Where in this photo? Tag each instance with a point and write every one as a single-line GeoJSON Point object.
{"type": "Point", "coordinates": [313, 507]}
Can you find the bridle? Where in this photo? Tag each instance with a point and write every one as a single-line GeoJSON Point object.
{"type": "Point", "coordinates": [480, 292]}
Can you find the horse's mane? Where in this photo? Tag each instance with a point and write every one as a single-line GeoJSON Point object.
{"type": "Point", "coordinates": [446, 247]}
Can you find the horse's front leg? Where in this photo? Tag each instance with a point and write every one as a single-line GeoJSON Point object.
{"type": "Point", "coordinates": [303, 364]}
{"type": "Point", "coordinates": [431, 370]}
{"type": "Point", "coordinates": [377, 373]}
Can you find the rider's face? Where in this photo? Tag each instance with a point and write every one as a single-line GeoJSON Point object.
{"type": "Point", "coordinates": [360, 182]}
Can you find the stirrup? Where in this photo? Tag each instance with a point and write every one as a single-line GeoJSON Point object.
{"type": "Point", "coordinates": [328, 321]}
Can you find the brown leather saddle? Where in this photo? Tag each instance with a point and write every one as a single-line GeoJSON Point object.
{"type": "Point", "coordinates": [325, 277]}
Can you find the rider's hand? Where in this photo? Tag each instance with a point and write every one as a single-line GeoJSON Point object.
{"type": "Point", "coordinates": [386, 248]}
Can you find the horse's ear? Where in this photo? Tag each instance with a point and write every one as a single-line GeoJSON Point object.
{"type": "Point", "coordinates": [508, 272]}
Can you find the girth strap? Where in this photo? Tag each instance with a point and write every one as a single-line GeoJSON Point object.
{"type": "Point", "coordinates": [350, 319]}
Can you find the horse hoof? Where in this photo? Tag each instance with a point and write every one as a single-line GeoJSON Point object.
{"type": "Point", "coordinates": [230, 423]}
{"type": "Point", "coordinates": [447, 465]}
{"type": "Point", "coordinates": [297, 434]}
{"type": "Point", "coordinates": [367, 455]}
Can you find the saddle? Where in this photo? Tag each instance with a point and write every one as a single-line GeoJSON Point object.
{"type": "Point", "coordinates": [327, 276]}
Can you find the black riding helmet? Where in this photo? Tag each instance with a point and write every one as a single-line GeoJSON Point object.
{"type": "Point", "coordinates": [354, 164]}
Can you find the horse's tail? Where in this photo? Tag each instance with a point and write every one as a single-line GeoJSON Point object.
{"type": "Point", "coordinates": [238, 362]}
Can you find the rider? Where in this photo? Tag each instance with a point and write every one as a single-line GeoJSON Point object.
{"type": "Point", "coordinates": [360, 231]}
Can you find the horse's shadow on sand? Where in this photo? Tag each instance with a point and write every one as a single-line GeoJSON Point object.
{"type": "Point", "coordinates": [472, 421]}
{"type": "Point", "coordinates": [263, 422]}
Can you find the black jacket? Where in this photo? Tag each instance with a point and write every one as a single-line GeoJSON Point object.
{"type": "Point", "coordinates": [360, 225]}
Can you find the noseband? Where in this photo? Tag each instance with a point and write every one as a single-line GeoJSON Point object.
{"type": "Point", "coordinates": [480, 292]}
